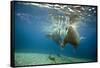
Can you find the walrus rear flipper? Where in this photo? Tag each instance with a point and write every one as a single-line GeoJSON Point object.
{"type": "Point", "coordinates": [72, 37]}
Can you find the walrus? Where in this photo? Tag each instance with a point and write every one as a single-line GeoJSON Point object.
{"type": "Point", "coordinates": [72, 37]}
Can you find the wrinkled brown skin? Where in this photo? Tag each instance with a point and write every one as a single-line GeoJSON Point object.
{"type": "Point", "coordinates": [70, 38]}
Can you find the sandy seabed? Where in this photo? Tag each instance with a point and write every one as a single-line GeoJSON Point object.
{"type": "Point", "coordinates": [22, 59]}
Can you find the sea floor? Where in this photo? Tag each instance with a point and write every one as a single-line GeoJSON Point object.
{"type": "Point", "coordinates": [22, 59]}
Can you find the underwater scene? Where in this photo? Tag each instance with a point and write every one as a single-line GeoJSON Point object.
{"type": "Point", "coordinates": [51, 33]}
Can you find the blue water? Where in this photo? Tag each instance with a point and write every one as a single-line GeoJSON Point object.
{"type": "Point", "coordinates": [29, 37]}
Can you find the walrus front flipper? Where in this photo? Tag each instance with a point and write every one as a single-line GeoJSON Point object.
{"type": "Point", "coordinates": [72, 37]}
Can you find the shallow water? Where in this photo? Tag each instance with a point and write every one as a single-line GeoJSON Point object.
{"type": "Point", "coordinates": [23, 59]}
{"type": "Point", "coordinates": [32, 46]}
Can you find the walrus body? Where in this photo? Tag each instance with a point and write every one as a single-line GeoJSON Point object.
{"type": "Point", "coordinates": [72, 37]}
